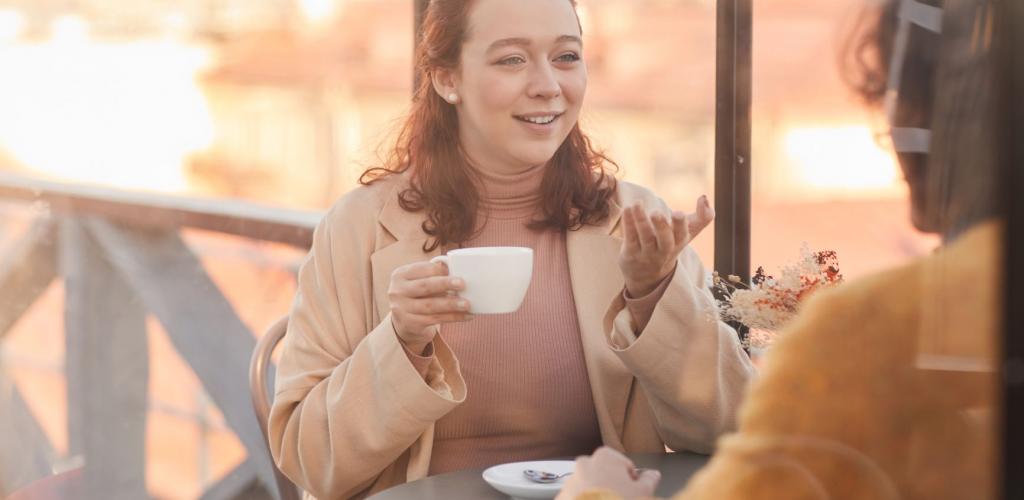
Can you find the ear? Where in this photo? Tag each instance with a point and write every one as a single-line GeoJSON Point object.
{"type": "Point", "coordinates": [446, 84]}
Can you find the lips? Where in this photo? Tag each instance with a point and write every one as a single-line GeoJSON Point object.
{"type": "Point", "coordinates": [539, 118]}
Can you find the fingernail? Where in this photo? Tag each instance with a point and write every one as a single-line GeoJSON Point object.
{"type": "Point", "coordinates": [456, 282]}
{"type": "Point", "coordinates": [462, 304]}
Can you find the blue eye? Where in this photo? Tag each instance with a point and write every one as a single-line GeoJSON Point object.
{"type": "Point", "coordinates": [509, 61]}
{"type": "Point", "coordinates": [568, 57]}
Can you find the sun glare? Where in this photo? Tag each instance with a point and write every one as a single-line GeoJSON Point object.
{"type": "Point", "coordinates": [12, 23]}
{"type": "Point", "coordinates": [69, 30]}
{"type": "Point", "coordinates": [120, 114]}
{"type": "Point", "coordinates": [845, 158]}
{"type": "Point", "coordinates": [318, 10]}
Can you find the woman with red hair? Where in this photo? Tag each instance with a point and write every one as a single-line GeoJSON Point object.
{"type": "Point", "coordinates": [385, 377]}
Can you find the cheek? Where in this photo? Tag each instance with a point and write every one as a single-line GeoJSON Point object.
{"type": "Point", "coordinates": [496, 93]}
{"type": "Point", "coordinates": [574, 87]}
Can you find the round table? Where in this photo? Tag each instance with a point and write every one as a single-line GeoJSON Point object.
{"type": "Point", "coordinates": [676, 469]}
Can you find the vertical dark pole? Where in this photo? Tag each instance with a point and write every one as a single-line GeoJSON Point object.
{"type": "Point", "coordinates": [732, 138]}
{"type": "Point", "coordinates": [1010, 17]}
{"type": "Point", "coordinates": [419, 12]}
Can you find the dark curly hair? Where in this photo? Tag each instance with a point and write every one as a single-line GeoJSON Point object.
{"type": "Point", "coordinates": [947, 85]}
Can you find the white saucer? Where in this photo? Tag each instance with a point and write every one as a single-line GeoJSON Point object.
{"type": "Point", "coordinates": [509, 478]}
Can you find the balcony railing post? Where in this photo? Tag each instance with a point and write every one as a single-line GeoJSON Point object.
{"type": "Point", "coordinates": [107, 368]}
{"type": "Point", "coordinates": [122, 256]}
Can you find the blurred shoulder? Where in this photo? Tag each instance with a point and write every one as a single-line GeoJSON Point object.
{"type": "Point", "coordinates": [871, 306]}
{"type": "Point", "coordinates": [853, 339]}
{"type": "Point", "coordinates": [931, 300]}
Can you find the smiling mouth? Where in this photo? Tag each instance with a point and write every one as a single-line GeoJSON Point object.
{"type": "Point", "coordinates": [538, 119]}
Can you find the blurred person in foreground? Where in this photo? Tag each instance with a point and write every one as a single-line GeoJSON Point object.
{"type": "Point", "coordinates": [886, 387]}
{"type": "Point", "coordinates": [385, 378]}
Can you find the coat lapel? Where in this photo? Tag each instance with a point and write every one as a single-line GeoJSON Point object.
{"type": "Point", "coordinates": [401, 243]}
{"type": "Point", "coordinates": [596, 280]}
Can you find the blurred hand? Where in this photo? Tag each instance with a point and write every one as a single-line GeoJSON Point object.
{"type": "Point", "coordinates": [651, 243]}
{"type": "Point", "coordinates": [422, 296]}
{"type": "Point", "coordinates": [609, 470]}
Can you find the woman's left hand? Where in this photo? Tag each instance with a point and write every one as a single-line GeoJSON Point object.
{"type": "Point", "coordinates": [610, 471]}
{"type": "Point", "coordinates": [651, 243]}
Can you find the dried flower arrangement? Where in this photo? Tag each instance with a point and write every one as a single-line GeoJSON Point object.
{"type": "Point", "coordinates": [767, 303]}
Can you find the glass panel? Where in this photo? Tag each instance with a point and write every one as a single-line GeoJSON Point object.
{"type": "Point", "coordinates": [124, 339]}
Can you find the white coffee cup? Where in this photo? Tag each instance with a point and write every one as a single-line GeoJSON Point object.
{"type": "Point", "coordinates": [496, 277]}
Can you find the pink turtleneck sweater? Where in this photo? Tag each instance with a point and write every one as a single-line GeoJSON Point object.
{"type": "Point", "coordinates": [528, 394]}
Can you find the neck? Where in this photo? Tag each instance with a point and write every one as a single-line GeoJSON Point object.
{"type": "Point", "coordinates": [507, 195]}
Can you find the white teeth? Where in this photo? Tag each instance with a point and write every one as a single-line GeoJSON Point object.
{"type": "Point", "coordinates": [540, 120]}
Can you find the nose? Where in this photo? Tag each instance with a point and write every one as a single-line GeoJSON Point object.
{"type": "Point", "coordinates": [544, 82]}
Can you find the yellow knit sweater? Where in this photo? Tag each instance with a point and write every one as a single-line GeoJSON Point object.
{"type": "Point", "coordinates": [882, 388]}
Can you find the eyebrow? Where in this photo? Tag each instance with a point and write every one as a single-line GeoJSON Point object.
{"type": "Point", "coordinates": [505, 42]}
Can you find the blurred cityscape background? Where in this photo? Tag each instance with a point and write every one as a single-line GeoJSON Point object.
{"type": "Point", "coordinates": [284, 103]}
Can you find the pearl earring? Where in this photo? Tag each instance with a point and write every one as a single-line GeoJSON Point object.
{"type": "Point", "coordinates": [453, 98]}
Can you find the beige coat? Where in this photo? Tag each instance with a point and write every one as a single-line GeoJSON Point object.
{"type": "Point", "coordinates": [351, 415]}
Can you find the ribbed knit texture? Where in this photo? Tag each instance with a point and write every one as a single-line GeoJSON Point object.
{"type": "Point", "coordinates": [528, 394]}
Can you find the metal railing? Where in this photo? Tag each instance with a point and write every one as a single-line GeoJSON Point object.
{"type": "Point", "coordinates": [121, 257]}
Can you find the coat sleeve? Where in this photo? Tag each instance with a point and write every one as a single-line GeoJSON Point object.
{"type": "Point", "coordinates": [689, 363]}
{"type": "Point", "coordinates": [348, 402]}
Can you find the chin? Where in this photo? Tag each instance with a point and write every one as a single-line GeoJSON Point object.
{"type": "Point", "coordinates": [537, 156]}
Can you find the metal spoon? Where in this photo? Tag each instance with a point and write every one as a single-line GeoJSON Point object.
{"type": "Point", "coordinates": [636, 471]}
{"type": "Point", "coordinates": [543, 477]}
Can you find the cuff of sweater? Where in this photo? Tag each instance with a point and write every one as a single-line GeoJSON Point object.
{"type": "Point", "coordinates": [636, 312]}
{"type": "Point", "coordinates": [421, 362]}
{"type": "Point", "coordinates": [641, 308]}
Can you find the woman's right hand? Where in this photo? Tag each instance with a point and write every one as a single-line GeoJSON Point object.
{"type": "Point", "coordinates": [610, 472]}
{"type": "Point", "coordinates": [422, 295]}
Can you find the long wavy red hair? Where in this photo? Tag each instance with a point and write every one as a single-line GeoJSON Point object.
{"type": "Point", "coordinates": [577, 187]}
